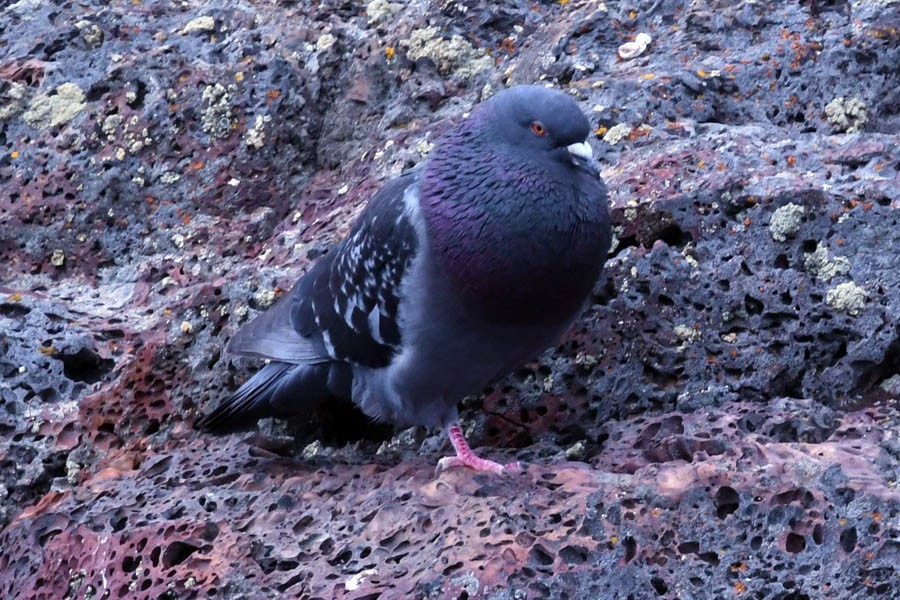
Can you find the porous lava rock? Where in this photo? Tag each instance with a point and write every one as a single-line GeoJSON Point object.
{"type": "Point", "coordinates": [721, 422]}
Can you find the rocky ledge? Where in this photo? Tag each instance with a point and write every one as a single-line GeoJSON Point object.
{"type": "Point", "coordinates": [722, 421]}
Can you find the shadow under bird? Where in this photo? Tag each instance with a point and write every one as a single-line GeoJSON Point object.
{"type": "Point", "coordinates": [456, 272]}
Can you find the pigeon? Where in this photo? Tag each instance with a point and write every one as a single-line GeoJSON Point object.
{"type": "Point", "coordinates": [458, 271]}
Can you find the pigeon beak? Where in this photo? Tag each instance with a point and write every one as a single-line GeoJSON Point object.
{"type": "Point", "coordinates": [583, 157]}
{"type": "Point", "coordinates": [581, 150]}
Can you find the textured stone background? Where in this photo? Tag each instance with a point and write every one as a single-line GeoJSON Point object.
{"type": "Point", "coordinates": [722, 422]}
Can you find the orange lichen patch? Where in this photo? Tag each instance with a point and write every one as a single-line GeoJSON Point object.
{"type": "Point", "coordinates": [637, 133]}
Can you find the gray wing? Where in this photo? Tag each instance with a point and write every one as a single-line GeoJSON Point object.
{"type": "Point", "coordinates": [272, 335]}
{"type": "Point", "coordinates": [345, 308]}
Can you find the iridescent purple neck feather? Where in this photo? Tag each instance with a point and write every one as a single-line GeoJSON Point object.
{"type": "Point", "coordinates": [520, 231]}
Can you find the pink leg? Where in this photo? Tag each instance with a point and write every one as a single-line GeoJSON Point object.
{"type": "Point", "coordinates": [465, 457]}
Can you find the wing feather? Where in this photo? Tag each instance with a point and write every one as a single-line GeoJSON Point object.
{"type": "Point", "coordinates": [345, 308]}
{"type": "Point", "coordinates": [272, 335]}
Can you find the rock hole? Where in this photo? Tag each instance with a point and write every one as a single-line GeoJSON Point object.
{"type": "Point", "coordinates": [753, 306]}
{"type": "Point", "coordinates": [85, 365]}
{"type": "Point", "coordinates": [809, 245]}
{"type": "Point", "coordinates": [727, 501]}
{"type": "Point", "coordinates": [130, 563]}
{"type": "Point", "coordinates": [795, 543]}
{"type": "Point", "coordinates": [342, 558]}
{"type": "Point", "coordinates": [818, 534]}
{"type": "Point", "coordinates": [630, 548]}
{"type": "Point", "coordinates": [14, 311]}
{"type": "Point", "coordinates": [574, 554]}
{"type": "Point", "coordinates": [848, 539]}
{"type": "Point", "coordinates": [673, 236]}
{"type": "Point", "coordinates": [539, 556]}
{"type": "Point", "coordinates": [176, 553]}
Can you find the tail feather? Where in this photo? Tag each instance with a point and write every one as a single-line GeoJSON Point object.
{"type": "Point", "coordinates": [277, 390]}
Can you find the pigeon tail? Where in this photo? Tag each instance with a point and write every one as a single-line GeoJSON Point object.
{"type": "Point", "coordinates": [466, 457]}
{"type": "Point", "coordinates": [277, 390]}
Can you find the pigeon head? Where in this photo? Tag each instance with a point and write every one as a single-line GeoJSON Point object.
{"type": "Point", "coordinates": [537, 122]}
{"type": "Point", "coordinates": [511, 197]}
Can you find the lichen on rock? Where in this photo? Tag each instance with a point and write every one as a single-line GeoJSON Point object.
{"type": "Point", "coordinates": [786, 221]}
{"type": "Point", "coordinates": [818, 264]}
{"type": "Point", "coordinates": [56, 108]}
{"type": "Point", "coordinates": [204, 23]}
{"type": "Point", "coordinates": [217, 119]}
{"type": "Point", "coordinates": [847, 297]}
{"type": "Point", "coordinates": [617, 133]}
{"type": "Point", "coordinates": [379, 11]}
{"type": "Point", "coordinates": [847, 114]}
{"type": "Point", "coordinates": [455, 56]}
{"type": "Point", "coordinates": [255, 136]}
{"type": "Point", "coordinates": [13, 101]}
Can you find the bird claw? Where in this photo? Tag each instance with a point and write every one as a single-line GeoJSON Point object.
{"type": "Point", "coordinates": [478, 464]}
{"type": "Point", "coordinates": [465, 457]}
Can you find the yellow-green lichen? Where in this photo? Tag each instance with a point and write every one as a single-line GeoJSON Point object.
{"type": "Point", "coordinates": [455, 56]}
{"type": "Point", "coordinates": [846, 114]}
{"type": "Point", "coordinates": [204, 23]}
{"type": "Point", "coordinates": [255, 137]}
{"type": "Point", "coordinates": [817, 264]}
{"type": "Point", "coordinates": [56, 108]}
{"type": "Point", "coordinates": [847, 297]}
{"type": "Point", "coordinates": [617, 133]}
{"type": "Point", "coordinates": [381, 10]}
{"type": "Point", "coordinates": [786, 221]}
{"type": "Point", "coordinates": [90, 33]}
{"type": "Point", "coordinates": [217, 119]}
{"type": "Point", "coordinates": [14, 102]}
{"type": "Point", "coordinates": [325, 42]}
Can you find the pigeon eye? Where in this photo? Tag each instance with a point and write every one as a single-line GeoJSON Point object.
{"type": "Point", "coordinates": [537, 128]}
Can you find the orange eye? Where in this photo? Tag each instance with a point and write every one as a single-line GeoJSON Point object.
{"type": "Point", "coordinates": [537, 128]}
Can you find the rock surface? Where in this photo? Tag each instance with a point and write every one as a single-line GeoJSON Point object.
{"type": "Point", "coordinates": [722, 422]}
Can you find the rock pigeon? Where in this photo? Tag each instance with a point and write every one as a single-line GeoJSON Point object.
{"type": "Point", "coordinates": [457, 272]}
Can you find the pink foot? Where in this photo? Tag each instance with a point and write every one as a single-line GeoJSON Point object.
{"type": "Point", "coordinates": [465, 457]}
